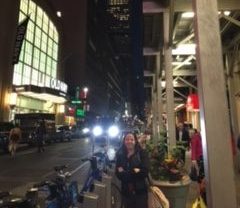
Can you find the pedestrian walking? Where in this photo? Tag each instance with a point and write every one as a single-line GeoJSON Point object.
{"type": "Point", "coordinates": [132, 165]}
{"type": "Point", "coordinates": [40, 133]}
{"type": "Point", "coordinates": [197, 161]}
{"type": "Point", "coordinates": [14, 137]}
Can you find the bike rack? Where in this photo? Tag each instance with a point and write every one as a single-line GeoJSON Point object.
{"type": "Point", "coordinates": [101, 190]}
{"type": "Point", "coordinates": [107, 180]}
{"type": "Point", "coordinates": [90, 200]}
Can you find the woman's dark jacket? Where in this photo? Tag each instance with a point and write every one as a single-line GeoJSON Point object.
{"type": "Point", "coordinates": [133, 183]}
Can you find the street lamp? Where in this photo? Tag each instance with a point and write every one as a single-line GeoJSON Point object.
{"type": "Point", "coordinates": [85, 91]}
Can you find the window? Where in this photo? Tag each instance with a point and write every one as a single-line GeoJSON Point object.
{"type": "Point", "coordinates": [39, 52]}
{"type": "Point", "coordinates": [34, 79]}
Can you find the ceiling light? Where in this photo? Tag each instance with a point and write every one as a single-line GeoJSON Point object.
{"type": "Point", "coordinates": [175, 82]}
{"type": "Point", "coordinates": [163, 83]}
{"type": "Point", "coordinates": [59, 14]}
{"type": "Point", "coordinates": [188, 15]}
{"type": "Point", "coordinates": [185, 49]}
{"type": "Point", "coordinates": [176, 63]}
{"type": "Point", "coordinates": [227, 13]}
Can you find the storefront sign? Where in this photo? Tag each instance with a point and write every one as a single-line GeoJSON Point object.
{"type": "Point", "coordinates": [21, 31]}
{"type": "Point", "coordinates": [80, 112]}
{"type": "Point", "coordinates": [192, 103]}
{"type": "Point", "coordinates": [58, 85]}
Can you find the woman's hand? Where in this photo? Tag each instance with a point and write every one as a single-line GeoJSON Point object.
{"type": "Point", "coordinates": [120, 169]}
{"type": "Point", "coordinates": [136, 170]}
{"type": "Point", "coordinates": [194, 164]}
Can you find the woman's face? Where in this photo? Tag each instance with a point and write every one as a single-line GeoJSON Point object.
{"type": "Point", "coordinates": [129, 141]}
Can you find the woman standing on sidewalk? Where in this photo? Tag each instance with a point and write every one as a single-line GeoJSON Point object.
{"type": "Point", "coordinates": [132, 170]}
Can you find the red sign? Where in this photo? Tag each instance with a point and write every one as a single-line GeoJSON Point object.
{"type": "Point", "coordinates": [192, 103]}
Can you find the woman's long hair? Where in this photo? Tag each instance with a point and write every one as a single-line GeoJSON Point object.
{"type": "Point", "coordinates": [137, 145]}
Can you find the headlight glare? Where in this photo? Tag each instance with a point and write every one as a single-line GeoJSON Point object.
{"type": "Point", "coordinates": [85, 130]}
{"type": "Point", "coordinates": [113, 131]}
{"type": "Point", "coordinates": [97, 130]}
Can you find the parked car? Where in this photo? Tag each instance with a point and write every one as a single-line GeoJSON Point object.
{"type": "Point", "coordinates": [5, 128]}
{"type": "Point", "coordinates": [63, 132]}
{"type": "Point", "coordinates": [80, 131]}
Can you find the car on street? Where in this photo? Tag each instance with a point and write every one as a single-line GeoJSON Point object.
{"type": "Point", "coordinates": [63, 132]}
{"type": "Point", "coordinates": [80, 131]}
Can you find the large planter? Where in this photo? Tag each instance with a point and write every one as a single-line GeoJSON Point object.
{"type": "Point", "coordinates": [175, 192]}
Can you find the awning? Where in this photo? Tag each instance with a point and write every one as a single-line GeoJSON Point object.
{"type": "Point", "coordinates": [41, 93]}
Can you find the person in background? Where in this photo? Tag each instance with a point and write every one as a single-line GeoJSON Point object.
{"type": "Point", "coordinates": [190, 131]}
{"type": "Point", "coordinates": [182, 134]}
{"type": "Point", "coordinates": [40, 133]}
{"type": "Point", "coordinates": [14, 137]}
{"type": "Point", "coordinates": [132, 165]}
{"type": "Point", "coordinates": [197, 161]}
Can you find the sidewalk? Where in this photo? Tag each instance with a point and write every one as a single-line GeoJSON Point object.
{"type": "Point", "coordinates": [193, 189]}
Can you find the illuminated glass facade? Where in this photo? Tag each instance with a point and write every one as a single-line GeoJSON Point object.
{"type": "Point", "coordinates": [38, 58]}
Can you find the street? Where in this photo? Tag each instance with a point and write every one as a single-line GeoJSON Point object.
{"type": "Point", "coordinates": [29, 167]}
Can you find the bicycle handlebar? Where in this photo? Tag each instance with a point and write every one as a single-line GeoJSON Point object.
{"type": "Point", "coordinates": [85, 159]}
{"type": "Point", "coordinates": [41, 184]}
{"type": "Point", "coordinates": [60, 168]}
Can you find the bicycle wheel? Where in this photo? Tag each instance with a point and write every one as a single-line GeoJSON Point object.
{"type": "Point", "coordinates": [116, 197]}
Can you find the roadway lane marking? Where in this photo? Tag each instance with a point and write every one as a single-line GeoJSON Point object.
{"type": "Point", "coordinates": [83, 164]}
{"type": "Point", "coordinates": [79, 167]}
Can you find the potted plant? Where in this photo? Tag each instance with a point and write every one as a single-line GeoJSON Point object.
{"type": "Point", "coordinates": [167, 170]}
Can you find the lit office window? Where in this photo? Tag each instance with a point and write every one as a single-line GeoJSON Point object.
{"type": "Point", "coordinates": [39, 53]}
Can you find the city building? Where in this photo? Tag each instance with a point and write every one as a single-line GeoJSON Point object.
{"type": "Point", "coordinates": [64, 49]}
{"type": "Point", "coordinates": [30, 76]}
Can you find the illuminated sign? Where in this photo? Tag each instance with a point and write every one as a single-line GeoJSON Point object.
{"type": "Point", "coordinates": [76, 101]}
{"type": "Point", "coordinates": [192, 103]}
{"type": "Point", "coordinates": [58, 85]}
{"type": "Point", "coordinates": [80, 112]}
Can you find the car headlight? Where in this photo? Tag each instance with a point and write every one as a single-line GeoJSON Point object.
{"type": "Point", "coordinates": [113, 131]}
{"type": "Point", "coordinates": [85, 130]}
{"type": "Point", "coordinates": [97, 131]}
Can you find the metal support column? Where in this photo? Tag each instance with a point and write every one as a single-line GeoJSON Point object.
{"type": "Point", "coordinates": [169, 83]}
{"type": "Point", "coordinates": [159, 93]}
{"type": "Point", "coordinates": [217, 152]}
{"type": "Point", "coordinates": [9, 11]}
{"type": "Point", "coordinates": [230, 68]}
{"type": "Point", "coordinates": [154, 111]}
{"type": "Point", "coordinates": [230, 65]}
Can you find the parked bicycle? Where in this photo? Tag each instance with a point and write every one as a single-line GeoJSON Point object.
{"type": "Point", "coordinates": [8, 200]}
{"type": "Point", "coordinates": [99, 164]}
{"type": "Point", "coordinates": [60, 193]}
